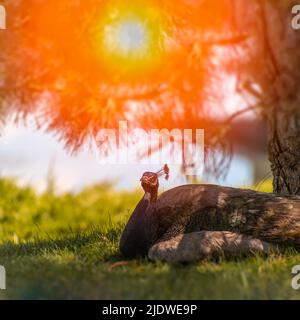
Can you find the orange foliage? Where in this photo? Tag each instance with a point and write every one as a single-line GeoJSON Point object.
{"type": "Point", "coordinates": [85, 92]}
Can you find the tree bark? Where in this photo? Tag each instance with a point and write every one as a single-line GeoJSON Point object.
{"type": "Point", "coordinates": [284, 151]}
{"type": "Point", "coordinates": [282, 87]}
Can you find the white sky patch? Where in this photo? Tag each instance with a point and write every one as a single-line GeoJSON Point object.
{"type": "Point", "coordinates": [127, 37]}
{"type": "Point", "coordinates": [131, 36]}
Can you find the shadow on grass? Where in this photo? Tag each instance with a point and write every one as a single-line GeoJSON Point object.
{"type": "Point", "coordinates": [79, 266]}
{"type": "Point", "coordinates": [73, 242]}
{"type": "Point", "coordinates": [80, 242]}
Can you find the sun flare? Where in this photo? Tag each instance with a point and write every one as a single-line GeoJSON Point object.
{"type": "Point", "coordinates": [127, 38]}
{"type": "Point", "coordinates": [130, 37]}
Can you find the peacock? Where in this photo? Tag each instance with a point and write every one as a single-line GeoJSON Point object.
{"type": "Point", "coordinates": [198, 221]}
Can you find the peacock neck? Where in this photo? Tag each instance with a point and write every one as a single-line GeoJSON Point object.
{"type": "Point", "coordinates": [151, 197]}
{"type": "Point", "coordinates": [140, 230]}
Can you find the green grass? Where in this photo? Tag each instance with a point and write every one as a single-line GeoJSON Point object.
{"type": "Point", "coordinates": [65, 247]}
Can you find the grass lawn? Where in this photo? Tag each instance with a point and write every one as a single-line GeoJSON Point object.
{"type": "Point", "coordinates": [66, 247]}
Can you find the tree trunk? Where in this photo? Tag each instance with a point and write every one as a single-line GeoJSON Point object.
{"type": "Point", "coordinates": [282, 56]}
{"type": "Point", "coordinates": [284, 150]}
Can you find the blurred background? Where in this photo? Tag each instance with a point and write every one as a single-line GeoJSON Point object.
{"type": "Point", "coordinates": [33, 156]}
{"type": "Point", "coordinates": [63, 84]}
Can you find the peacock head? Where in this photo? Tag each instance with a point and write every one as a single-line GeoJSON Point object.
{"type": "Point", "coordinates": [150, 182]}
